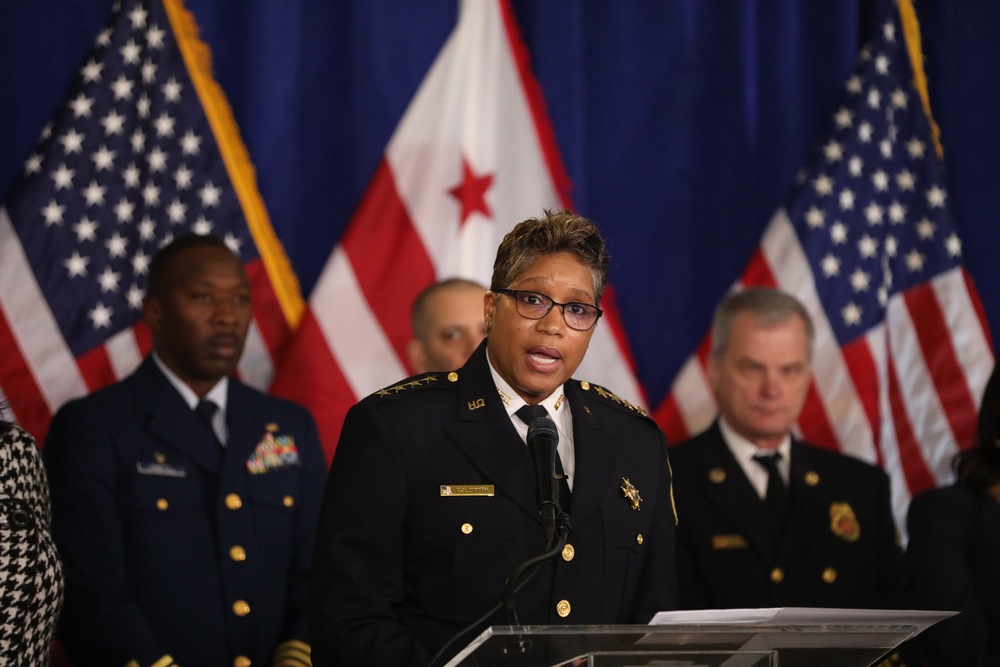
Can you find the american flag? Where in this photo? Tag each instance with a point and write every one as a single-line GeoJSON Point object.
{"type": "Point", "coordinates": [473, 155]}
{"type": "Point", "coordinates": [143, 149]}
{"type": "Point", "coordinates": [867, 243]}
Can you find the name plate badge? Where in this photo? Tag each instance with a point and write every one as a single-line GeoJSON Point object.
{"type": "Point", "coordinates": [729, 542]}
{"type": "Point", "coordinates": [466, 489]}
{"type": "Point", "coordinates": [160, 469]}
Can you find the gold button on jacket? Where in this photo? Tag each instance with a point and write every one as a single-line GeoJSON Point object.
{"type": "Point", "coordinates": [241, 608]}
{"type": "Point", "coordinates": [233, 501]}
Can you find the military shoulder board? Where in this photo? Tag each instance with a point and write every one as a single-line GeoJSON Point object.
{"type": "Point", "coordinates": [418, 382]}
{"type": "Point", "coordinates": [611, 397]}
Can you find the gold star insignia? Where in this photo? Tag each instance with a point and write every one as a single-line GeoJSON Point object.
{"type": "Point", "coordinates": [631, 493]}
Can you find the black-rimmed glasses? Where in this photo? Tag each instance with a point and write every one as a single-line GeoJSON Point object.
{"type": "Point", "coordinates": [535, 306]}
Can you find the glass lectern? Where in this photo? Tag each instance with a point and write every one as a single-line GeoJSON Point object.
{"type": "Point", "coordinates": [786, 637]}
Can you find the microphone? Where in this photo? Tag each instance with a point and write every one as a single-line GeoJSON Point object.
{"type": "Point", "coordinates": [542, 441]}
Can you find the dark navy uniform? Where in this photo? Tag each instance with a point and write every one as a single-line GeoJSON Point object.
{"type": "Point", "coordinates": [954, 550]}
{"type": "Point", "coordinates": [411, 546]}
{"type": "Point", "coordinates": [838, 547]}
{"type": "Point", "coordinates": [174, 546]}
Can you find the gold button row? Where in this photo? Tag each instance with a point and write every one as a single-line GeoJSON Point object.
{"type": "Point", "coordinates": [829, 575]}
{"type": "Point", "coordinates": [233, 502]}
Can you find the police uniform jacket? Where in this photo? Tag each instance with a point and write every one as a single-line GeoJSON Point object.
{"type": "Point", "coordinates": [838, 547]}
{"type": "Point", "coordinates": [954, 551]}
{"type": "Point", "coordinates": [172, 545]}
{"type": "Point", "coordinates": [402, 564]}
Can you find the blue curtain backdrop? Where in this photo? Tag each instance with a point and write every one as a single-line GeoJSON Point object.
{"type": "Point", "coordinates": [682, 123]}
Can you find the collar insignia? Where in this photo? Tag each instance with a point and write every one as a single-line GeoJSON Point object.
{"type": "Point", "coordinates": [503, 396]}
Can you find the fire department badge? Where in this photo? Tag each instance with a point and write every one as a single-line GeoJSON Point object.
{"type": "Point", "coordinates": [843, 523]}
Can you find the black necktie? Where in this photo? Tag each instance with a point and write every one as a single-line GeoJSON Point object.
{"type": "Point", "coordinates": [206, 411]}
{"type": "Point", "coordinates": [776, 497]}
{"type": "Point", "coordinates": [528, 414]}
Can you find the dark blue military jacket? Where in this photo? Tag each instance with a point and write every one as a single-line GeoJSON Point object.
{"type": "Point", "coordinates": [954, 553]}
{"type": "Point", "coordinates": [174, 546]}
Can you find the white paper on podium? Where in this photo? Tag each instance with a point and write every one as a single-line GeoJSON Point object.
{"type": "Point", "coordinates": [803, 616]}
{"type": "Point", "coordinates": [796, 627]}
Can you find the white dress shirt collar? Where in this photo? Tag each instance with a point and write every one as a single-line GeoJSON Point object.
{"type": "Point", "coordinates": [744, 451]}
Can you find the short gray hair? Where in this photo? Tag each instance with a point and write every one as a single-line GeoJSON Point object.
{"type": "Point", "coordinates": [767, 306]}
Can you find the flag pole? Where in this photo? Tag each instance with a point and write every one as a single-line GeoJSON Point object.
{"type": "Point", "coordinates": [241, 172]}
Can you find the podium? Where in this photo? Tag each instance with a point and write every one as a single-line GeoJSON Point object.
{"type": "Point", "coordinates": [781, 637]}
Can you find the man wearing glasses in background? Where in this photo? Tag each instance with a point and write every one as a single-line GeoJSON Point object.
{"type": "Point", "coordinates": [431, 502]}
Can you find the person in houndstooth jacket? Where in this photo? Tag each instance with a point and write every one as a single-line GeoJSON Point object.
{"type": "Point", "coordinates": [31, 582]}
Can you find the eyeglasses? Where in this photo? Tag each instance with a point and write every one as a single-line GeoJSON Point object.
{"type": "Point", "coordinates": [535, 306]}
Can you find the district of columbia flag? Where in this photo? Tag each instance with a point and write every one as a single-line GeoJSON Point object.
{"type": "Point", "coordinates": [473, 155]}
{"type": "Point", "coordinates": [143, 149]}
{"type": "Point", "coordinates": [866, 241]}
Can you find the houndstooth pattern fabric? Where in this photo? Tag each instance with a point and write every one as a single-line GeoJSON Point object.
{"type": "Point", "coordinates": [31, 584]}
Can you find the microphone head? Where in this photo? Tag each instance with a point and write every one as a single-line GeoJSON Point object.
{"type": "Point", "coordinates": [543, 428]}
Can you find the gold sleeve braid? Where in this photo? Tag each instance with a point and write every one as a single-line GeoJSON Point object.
{"type": "Point", "coordinates": [165, 661]}
{"type": "Point", "coordinates": [292, 653]}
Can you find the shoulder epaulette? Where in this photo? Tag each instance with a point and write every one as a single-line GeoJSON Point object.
{"type": "Point", "coordinates": [417, 382]}
{"type": "Point", "coordinates": [611, 397]}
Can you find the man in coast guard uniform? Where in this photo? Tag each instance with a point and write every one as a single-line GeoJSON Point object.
{"type": "Point", "coordinates": [186, 540]}
{"type": "Point", "coordinates": [431, 502]}
{"type": "Point", "coordinates": [820, 533]}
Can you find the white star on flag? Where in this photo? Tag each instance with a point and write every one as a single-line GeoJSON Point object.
{"type": "Point", "coordinates": [897, 370]}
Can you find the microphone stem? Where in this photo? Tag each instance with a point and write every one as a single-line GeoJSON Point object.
{"type": "Point", "coordinates": [510, 589]}
{"type": "Point", "coordinates": [511, 585]}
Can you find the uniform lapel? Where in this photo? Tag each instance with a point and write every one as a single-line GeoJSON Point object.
{"type": "Point", "coordinates": [733, 496]}
{"type": "Point", "coordinates": [595, 454]}
{"type": "Point", "coordinates": [246, 426]}
{"type": "Point", "coordinates": [806, 486]}
{"type": "Point", "coordinates": [485, 434]}
{"type": "Point", "coordinates": [171, 420]}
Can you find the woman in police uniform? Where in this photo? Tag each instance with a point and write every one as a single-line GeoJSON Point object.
{"type": "Point", "coordinates": [431, 502]}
